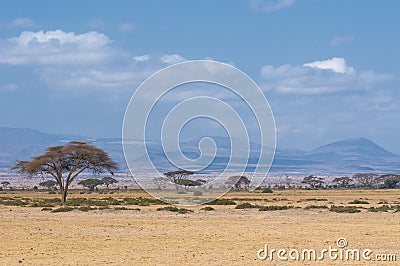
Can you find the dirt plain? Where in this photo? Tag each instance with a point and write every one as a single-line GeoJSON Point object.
{"type": "Point", "coordinates": [224, 236]}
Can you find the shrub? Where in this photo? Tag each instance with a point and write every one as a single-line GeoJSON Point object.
{"type": "Point", "coordinates": [63, 209]}
{"type": "Point", "coordinates": [121, 208]}
{"type": "Point", "coordinates": [344, 209]}
{"type": "Point", "coordinates": [222, 202]}
{"type": "Point", "coordinates": [246, 205]}
{"type": "Point", "coordinates": [207, 208]}
{"type": "Point", "coordinates": [47, 209]}
{"type": "Point", "coordinates": [357, 201]}
{"type": "Point", "coordinates": [174, 209]}
{"type": "Point", "coordinates": [197, 193]}
{"type": "Point", "coordinates": [274, 208]}
{"type": "Point", "coordinates": [267, 190]}
{"type": "Point", "coordinates": [86, 208]}
{"type": "Point", "coordinates": [13, 202]}
{"type": "Point", "coordinates": [52, 192]}
{"type": "Point", "coordinates": [316, 207]}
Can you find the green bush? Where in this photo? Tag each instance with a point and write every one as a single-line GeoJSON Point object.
{"type": "Point", "coordinates": [222, 202]}
{"type": "Point", "coordinates": [274, 208]}
{"type": "Point", "coordinates": [63, 209]}
{"type": "Point", "coordinates": [357, 201]}
{"type": "Point", "coordinates": [174, 209]}
{"type": "Point", "coordinates": [267, 190]}
{"type": "Point", "coordinates": [246, 205]}
{"type": "Point", "coordinates": [47, 209]}
{"type": "Point", "coordinates": [207, 208]}
{"type": "Point", "coordinates": [316, 207]}
{"type": "Point", "coordinates": [197, 193]}
{"type": "Point", "coordinates": [344, 209]}
{"type": "Point", "coordinates": [86, 208]}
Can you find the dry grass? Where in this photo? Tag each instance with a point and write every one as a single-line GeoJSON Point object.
{"type": "Point", "coordinates": [225, 236]}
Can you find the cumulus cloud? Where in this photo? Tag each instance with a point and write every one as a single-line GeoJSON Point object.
{"type": "Point", "coordinates": [270, 5]}
{"type": "Point", "coordinates": [172, 58]}
{"type": "Point", "coordinates": [55, 48]}
{"type": "Point", "coordinates": [335, 64]}
{"type": "Point", "coordinates": [22, 23]}
{"type": "Point", "coordinates": [141, 58]}
{"type": "Point", "coordinates": [319, 77]}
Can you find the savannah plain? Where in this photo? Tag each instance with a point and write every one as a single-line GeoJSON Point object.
{"type": "Point", "coordinates": [136, 231]}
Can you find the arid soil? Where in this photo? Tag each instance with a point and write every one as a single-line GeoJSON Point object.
{"type": "Point", "coordinates": [224, 236]}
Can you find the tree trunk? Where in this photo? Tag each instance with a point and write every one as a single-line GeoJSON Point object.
{"type": "Point", "coordinates": [63, 195]}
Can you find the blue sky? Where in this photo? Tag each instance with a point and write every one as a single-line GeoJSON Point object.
{"type": "Point", "coordinates": [328, 68]}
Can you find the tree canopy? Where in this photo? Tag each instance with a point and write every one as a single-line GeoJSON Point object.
{"type": "Point", "coordinates": [65, 163]}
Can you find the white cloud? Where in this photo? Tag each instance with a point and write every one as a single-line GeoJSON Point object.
{"type": "Point", "coordinates": [55, 48]}
{"type": "Point", "coordinates": [339, 40]}
{"type": "Point", "coordinates": [126, 27]}
{"type": "Point", "coordinates": [320, 77]}
{"type": "Point", "coordinates": [335, 64]}
{"type": "Point", "coordinates": [270, 5]}
{"type": "Point", "coordinates": [172, 58]}
{"type": "Point", "coordinates": [22, 23]}
{"type": "Point", "coordinates": [141, 58]}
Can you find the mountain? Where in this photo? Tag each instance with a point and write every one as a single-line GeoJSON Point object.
{"type": "Point", "coordinates": [346, 156]}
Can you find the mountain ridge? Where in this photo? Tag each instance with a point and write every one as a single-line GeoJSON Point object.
{"type": "Point", "coordinates": [350, 155]}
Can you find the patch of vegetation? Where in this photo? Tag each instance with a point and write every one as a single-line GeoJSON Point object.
{"type": "Point", "coordinates": [174, 209]}
{"type": "Point", "coordinates": [63, 209]}
{"type": "Point", "coordinates": [207, 208]}
{"type": "Point", "coordinates": [222, 202]}
{"type": "Point", "coordinates": [316, 207]}
{"type": "Point", "coordinates": [47, 209]}
{"type": "Point", "coordinates": [312, 199]}
{"type": "Point", "coordinates": [267, 190]}
{"type": "Point", "coordinates": [142, 201]}
{"type": "Point", "coordinates": [197, 193]}
{"type": "Point", "coordinates": [357, 201]}
{"type": "Point", "coordinates": [86, 208]}
{"type": "Point", "coordinates": [344, 209]}
{"type": "Point", "coordinates": [280, 199]}
{"type": "Point", "coordinates": [246, 205]}
{"type": "Point", "coordinates": [275, 208]}
{"type": "Point", "coordinates": [126, 209]}
{"type": "Point", "coordinates": [383, 202]}
{"type": "Point", "coordinates": [385, 208]}
{"type": "Point", "coordinates": [13, 202]}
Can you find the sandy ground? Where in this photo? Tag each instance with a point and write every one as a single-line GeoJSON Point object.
{"type": "Point", "coordinates": [225, 236]}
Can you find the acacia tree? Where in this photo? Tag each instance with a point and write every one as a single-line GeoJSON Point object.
{"type": "Point", "coordinates": [342, 181]}
{"type": "Point", "coordinates": [365, 179]}
{"type": "Point", "coordinates": [91, 183]}
{"type": "Point", "coordinates": [108, 180]}
{"type": "Point", "coordinates": [313, 181]}
{"type": "Point", "coordinates": [49, 184]}
{"type": "Point", "coordinates": [176, 177]}
{"type": "Point", "coordinates": [65, 163]}
{"type": "Point", "coordinates": [5, 184]}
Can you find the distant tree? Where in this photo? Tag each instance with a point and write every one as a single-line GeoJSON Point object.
{"type": "Point", "coordinates": [91, 183]}
{"type": "Point", "coordinates": [5, 184]}
{"type": "Point", "coordinates": [65, 163]}
{"type": "Point", "coordinates": [313, 181]}
{"type": "Point", "coordinates": [176, 176]}
{"type": "Point", "coordinates": [391, 180]}
{"type": "Point", "coordinates": [365, 179]}
{"type": "Point", "coordinates": [238, 181]}
{"type": "Point", "coordinates": [108, 180]}
{"type": "Point", "coordinates": [49, 184]}
{"type": "Point", "coordinates": [288, 181]}
{"type": "Point", "coordinates": [342, 181]}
